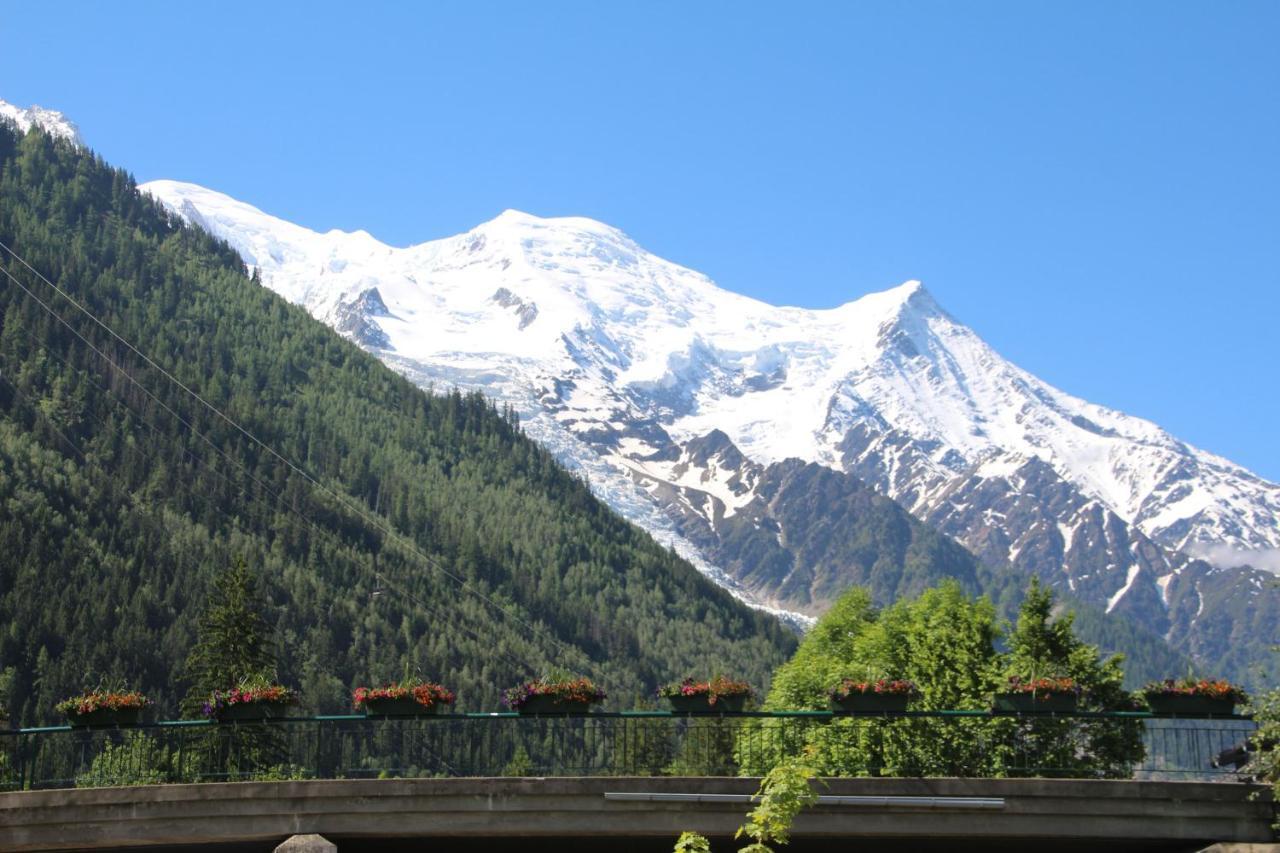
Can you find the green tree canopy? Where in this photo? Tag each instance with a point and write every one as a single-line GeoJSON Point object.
{"type": "Point", "coordinates": [833, 649]}
{"type": "Point", "coordinates": [1041, 646]}
{"type": "Point", "coordinates": [948, 645]}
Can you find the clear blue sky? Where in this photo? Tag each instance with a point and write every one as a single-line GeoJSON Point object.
{"type": "Point", "coordinates": [1093, 187]}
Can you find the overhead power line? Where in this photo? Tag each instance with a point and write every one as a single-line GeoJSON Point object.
{"type": "Point", "coordinates": [375, 521]}
{"type": "Point", "coordinates": [380, 577]}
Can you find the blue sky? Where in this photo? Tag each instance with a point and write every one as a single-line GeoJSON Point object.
{"type": "Point", "coordinates": [1093, 187]}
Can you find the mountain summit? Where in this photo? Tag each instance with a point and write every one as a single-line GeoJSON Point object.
{"type": "Point", "coordinates": [623, 363]}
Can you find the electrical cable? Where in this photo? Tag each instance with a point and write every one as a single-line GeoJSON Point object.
{"type": "Point", "coordinates": [510, 658]}
{"type": "Point", "coordinates": [376, 522]}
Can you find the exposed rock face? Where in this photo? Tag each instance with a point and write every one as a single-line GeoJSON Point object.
{"type": "Point", "coordinates": [526, 311]}
{"type": "Point", "coordinates": [357, 319]}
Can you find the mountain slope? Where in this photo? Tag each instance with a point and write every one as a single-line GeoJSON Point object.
{"type": "Point", "coordinates": [440, 537]}
{"type": "Point", "coordinates": [620, 362]}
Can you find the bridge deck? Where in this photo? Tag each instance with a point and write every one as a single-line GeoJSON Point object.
{"type": "Point", "coordinates": [649, 814]}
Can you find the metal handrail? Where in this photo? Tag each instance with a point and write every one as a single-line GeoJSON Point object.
{"type": "Point", "coordinates": [657, 714]}
{"type": "Point", "coordinates": [623, 743]}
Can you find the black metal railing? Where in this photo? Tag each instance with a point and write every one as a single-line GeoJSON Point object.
{"type": "Point", "coordinates": [1133, 745]}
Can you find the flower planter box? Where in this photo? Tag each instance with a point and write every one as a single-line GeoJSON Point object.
{"type": "Point", "coordinates": [1057, 703]}
{"type": "Point", "coordinates": [701, 704]}
{"type": "Point", "coordinates": [107, 717]}
{"type": "Point", "coordinates": [253, 712]}
{"type": "Point", "coordinates": [405, 707]}
{"type": "Point", "coordinates": [552, 705]}
{"type": "Point", "coordinates": [872, 703]}
{"type": "Point", "coordinates": [1189, 705]}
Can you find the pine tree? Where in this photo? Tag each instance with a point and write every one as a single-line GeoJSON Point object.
{"type": "Point", "coordinates": [1040, 646]}
{"type": "Point", "coordinates": [234, 641]}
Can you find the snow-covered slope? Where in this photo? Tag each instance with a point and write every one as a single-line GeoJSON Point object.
{"type": "Point", "coordinates": [618, 360]}
{"type": "Point", "coordinates": [661, 342]}
{"type": "Point", "coordinates": [52, 121]}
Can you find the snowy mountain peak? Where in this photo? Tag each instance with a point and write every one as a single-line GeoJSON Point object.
{"type": "Point", "coordinates": [918, 299]}
{"type": "Point", "coordinates": [911, 292]}
{"type": "Point", "coordinates": [546, 248]}
{"type": "Point", "coordinates": [678, 398]}
{"type": "Point", "coordinates": [607, 348]}
{"type": "Point", "coordinates": [581, 225]}
{"type": "Point", "coordinates": [51, 121]}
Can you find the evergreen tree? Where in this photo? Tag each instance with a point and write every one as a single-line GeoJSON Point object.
{"type": "Point", "coordinates": [1041, 646]}
{"type": "Point", "coordinates": [234, 640]}
{"type": "Point", "coordinates": [8, 676]}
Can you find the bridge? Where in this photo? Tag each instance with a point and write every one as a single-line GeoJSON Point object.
{"type": "Point", "coordinates": [636, 814]}
{"type": "Point", "coordinates": [494, 782]}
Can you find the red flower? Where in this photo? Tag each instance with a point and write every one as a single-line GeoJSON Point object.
{"type": "Point", "coordinates": [1208, 688]}
{"type": "Point", "coordinates": [717, 688]}
{"type": "Point", "coordinates": [425, 693]}
{"type": "Point", "coordinates": [892, 687]}
{"type": "Point", "coordinates": [1054, 685]}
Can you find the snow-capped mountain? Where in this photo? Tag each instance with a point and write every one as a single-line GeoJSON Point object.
{"type": "Point", "coordinates": [52, 121]}
{"type": "Point", "coordinates": [625, 364]}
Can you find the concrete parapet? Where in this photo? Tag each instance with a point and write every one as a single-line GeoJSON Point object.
{"type": "Point", "coordinates": [1190, 814]}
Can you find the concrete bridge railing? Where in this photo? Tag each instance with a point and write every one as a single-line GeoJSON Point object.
{"type": "Point", "coordinates": [637, 814]}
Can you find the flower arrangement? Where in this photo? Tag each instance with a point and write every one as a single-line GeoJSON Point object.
{"type": "Point", "coordinates": [102, 700]}
{"type": "Point", "coordinates": [249, 693]}
{"type": "Point", "coordinates": [425, 693]}
{"type": "Point", "coordinates": [1192, 696]}
{"type": "Point", "coordinates": [1054, 686]}
{"type": "Point", "coordinates": [1204, 688]}
{"type": "Point", "coordinates": [1056, 694]}
{"type": "Point", "coordinates": [102, 707]}
{"type": "Point", "coordinates": [882, 686]}
{"type": "Point", "coordinates": [567, 691]}
{"type": "Point", "coordinates": [868, 696]}
{"type": "Point", "coordinates": [715, 689]}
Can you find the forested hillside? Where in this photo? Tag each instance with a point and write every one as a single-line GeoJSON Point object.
{"type": "Point", "coordinates": [435, 533]}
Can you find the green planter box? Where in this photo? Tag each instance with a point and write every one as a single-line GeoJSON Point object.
{"type": "Point", "coordinates": [1189, 705]}
{"type": "Point", "coordinates": [406, 707]}
{"type": "Point", "coordinates": [550, 705]}
{"type": "Point", "coordinates": [1057, 703]}
{"type": "Point", "coordinates": [253, 712]}
{"type": "Point", "coordinates": [107, 717]}
{"type": "Point", "coordinates": [701, 704]}
{"type": "Point", "coordinates": [872, 703]}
